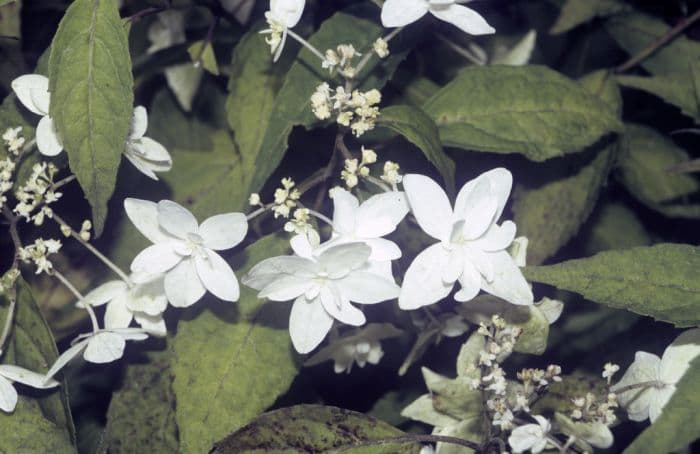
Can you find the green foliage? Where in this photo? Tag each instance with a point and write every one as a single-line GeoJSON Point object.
{"type": "Point", "coordinates": [575, 13]}
{"type": "Point", "coordinates": [679, 423]}
{"type": "Point", "coordinates": [659, 281]}
{"type": "Point", "coordinates": [202, 54]}
{"type": "Point", "coordinates": [231, 362]}
{"type": "Point", "coordinates": [529, 110]}
{"type": "Point", "coordinates": [40, 423]}
{"type": "Point", "coordinates": [315, 428]}
{"type": "Point", "coordinates": [92, 96]}
{"type": "Point", "coordinates": [615, 226]}
{"type": "Point", "coordinates": [419, 129]}
{"type": "Point", "coordinates": [645, 164]}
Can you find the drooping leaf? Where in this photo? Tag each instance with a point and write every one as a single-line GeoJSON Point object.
{"type": "Point", "coordinates": [644, 163]}
{"type": "Point", "coordinates": [679, 423]}
{"type": "Point", "coordinates": [12, 63]}
{"type": "Point", "coordinates": [575, 13]}
{"type": "Point", "coordinates": [529, 110]}
{"type": "Point", "coordinates": [141, 414]}
{"type": "Point", "coordinates": [92, 96]}
{"type": "Point", "coordinates": [636, 31]}
{"type": "Point", "coordinates": [202, 54]}
{"type": "Point", "coordinates": [41, 422]}
{"type": "Point", "coordinates": [419, 129]}
{"type": "Point", "coordinates": [615, 226]}
{"type": "Point", "coordinates": [659, 281]}
{"type": "Point", "coordinates": [315, 428]}
{"type": "Point", "coordinates": [231, 363]}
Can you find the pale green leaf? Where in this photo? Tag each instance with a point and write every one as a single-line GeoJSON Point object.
{"type": "Point", "coordinates": [315, 428]}
{"type": "Point", "coordinates": [231, 363]}
{"type": "Point", "coordinates": [202, 54]}
{"type": "Point", "coordinates": [419, 129]}
{"type": "Point", "coordinates": [679, 423]}
{"type": "Point", "coordinates": [529, 110]}
{"type": "Point", "coordinates": [576, 12]}
{"type": "Point", "coordinates": [92, 96]}
{"type": "Point", "coordinates": [659, 281]}
{"type": "Point", "coordinates": [41, 421]}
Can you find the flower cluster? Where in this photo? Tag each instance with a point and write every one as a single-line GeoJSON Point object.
{"type": "Point", "coordinates": [37, 192]}
{"type": "Point", "coordinates": [357, 110]}
{"type": "Point", "coordinates": [341, 58]}
{"type": "Point", "coordinates": [38, 253]}
{"type": "Point", "coordinates": [285, 198]}
{"type": "Point", "coordinates": [13, 140]}
{"type": "Point", "coordinates": [354, 170]}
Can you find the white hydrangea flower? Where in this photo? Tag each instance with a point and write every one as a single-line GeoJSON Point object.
{"type": "Point", "coordinates": [185, 250]}
{"type": "Point", "coordinates": [322, 282]}
{"type": "Point", "coordinates": [99, 347]}
{"type": "Point", "coordinates": [657, 377]}
{"type": "Point", "coordinates": [32, 90]}
{"type": "Point", "coordinates": [147, 155]}
{"type": "Point", "coordinates": [283, 15]}
{"type": "Point", "coordinates": [531, 437]}
{"type": "Point", "coordinates": [472, 247]}
{"type": "Point", "coordinates": [398, 13]}
{"type": "Point", "coordinates": [144, 302]}
{"type": "Point", "coordinates": [10, 374]}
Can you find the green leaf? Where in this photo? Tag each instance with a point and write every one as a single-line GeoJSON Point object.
{"type": "Point", "coordinates": [141, 414]}
{"type": "Point", "coordinates": [644, 163]}
{"type": "Point", "coordinates": [659, 281]}
{"type": "Point", "coordinates": [202, 54]}
{"type": "Point", "coordinates": [529, 110]}
{"type": "Point", "coordinates": [42, 421]}
{"type": "Point", "coordinates": [615, 226]}
{"type": "Point", "coordinates": [636, 31]}
{"type": "Point", "coordinates": [231, 362]}
{"type": "Point", "coordinates": [679, 423]}
{"type": "Point", "coordinates": [92, 96]}
{"type": "Point", "coordinates": [419, 129]}
{"type": "Point", "coordinates": [575, 13]}
{"type": "Point", "coordinates": [315, 428]}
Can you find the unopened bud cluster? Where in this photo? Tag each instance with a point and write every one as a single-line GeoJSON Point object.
{"type": "Point", "coordinates": [286, 198]}
{"type": "Point", "coordinates": [341, 58]}
{"type": "Point", "coordinates": [355, 169]}
{"type": "Point", "coordinates": [357, 110]}
{"type": "Point", "coordinates": [594, 408]}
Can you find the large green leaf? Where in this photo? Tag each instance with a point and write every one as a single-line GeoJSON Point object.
{"type": "Point", "coordinates": [315, 428]}
{"type": "Point", "coordinates": [659, 281]}
{"type": "Point", "coordinates": [679, 423]}
{"type": "Point", "coordinates": [41, 422]}
{"type": "Point", "coordinates": [614, 226]}
{"type": "Point", "coordinates": [636, 31]}
{"type": "Point", "coordinates": [529, 110]}
{"type": "Point", "coordinates": [644, 163]}
{"type": "Point", "coordinates": [92, 96]}
{"type": "Point", "coordinates": [576, 12]}
{"type": "Point", "coordinates": [551, 207]}
{"type": "Point", "coordinates": [419, 129]}
{"type": "Point", "coordinates": [231, 362]}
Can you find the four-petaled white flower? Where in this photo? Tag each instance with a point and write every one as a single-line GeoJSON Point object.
{"type": "Point", "coordinates": [99, 347]}
{"type": "Point", "coordinates": [472, 247]}
{"type": "Point", "coordinates": [144, 301]}
{"type": "Point", "coordinates": [531, 437]}
{"type": "Point", "coordinates": [283, 15]}
{"type": "Point", "coordinates": [10, 374]}
{"type": "Point", "coordinates": [397, 13]}
{"type": "Point", "coordinates": [185, 250]}
{"type": "Point", "coordinates": [147, 155]}
{"type": "Point", "coordinates": [33, 92]}
{"type": "Point", "coordinates": [323, 282]}
{"type": "Point", "coordinates": [656, 377]}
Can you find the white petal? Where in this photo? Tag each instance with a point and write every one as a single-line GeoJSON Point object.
{"type": "Point", "coordinates": [659, 399]}
{"type": "Point", "coordinates": [454, 266]}
{"type": "Point", "coordinates": [479, 217]}
{"type": "Point", "coordinates": [508, 281]}
{"type": "Point", "coordinates": [636, 401]}
{"type": "Point", "coordinates": [470, 282]}
{"type": "Point", "coordinates": [551, 309]}
{"type": "Point", "coordinates": [383, 250]}
{"type": "Point", "coordinates": [176, 219]}
{"type": "Point", "coordinates": [105, 293]}
{"type": "Point", "coordinates": [308, 324]}
{"type": "Point", "coordinates": [154, 325]}
{"type": "Point", "coordinates": [139, 123]}
{"type": "Point", "coordinates": [466, 19]}
{"type": "Point", "coordinates": [32, 90]}
{"type": "Point", "coordinates": [65, 358]}
{"type": "Point", "coordinates": [339, 260]}
{"type": "Point", "coordinates": [223, 231]}
{"type": "Point", "coordinates": [423, 284]}
{"type": "Point", "coordinates": [118, 314]}
{"type": "Point", "coordinates": [104, 347]}
{"type": "Point", "coordinates": [500, 183]}
{"type": "Point", "coordinates": [380, 214]}
{"type": "Point", "coordinates": [141, 165]}
{"type": "Point", "coordinates": [397, 13]}
{"type": "Point", "coordinates": [26, 377]}
{"type": "Point", "coordinates": [302, 246]}
{"type": "Point", "coordinates": [47, 140]}
{"type": "Point", "coordinates": [149, 297]}
{"type": "Point", "coordinates": [678, 356]}
{"type": "Point", "coordinates": [497, 237]}
{"type": "Point", "coordinates": [338, 306]}
{"type": "Point", "coordinates": [144, 215]}
{"type": "Point", "coordinates": [288, 12]}
{"type": "Point", "coordinates": [134, 334]}
{"type": "Point", "coordinates": [8, 396]}
{"type": "Point", "coordinates": [183, 286]}
{"type": "Point", "coordinates": [429, 205]}
{"type": "Point", "coordinates": [157, 258]}
{"type": "Point", "coordinates": [156, 153]}
{"type": "Point", "coordinates": [286, 288]}
{"type": "Point", "coordinates": [217, 276]}
{"type": "Point", "coordinates": [345, 206]}
{"type": "Point", "coordinates": [524, 437]}
{"type": "Point", "coordinates": [367, 288]}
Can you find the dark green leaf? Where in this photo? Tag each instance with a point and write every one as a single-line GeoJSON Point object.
{"type": "Point", "coordinates": [315, 428]}
{"type": "Point", "coordinates": [615, 226]}
{"type": "Point", "coordinates": [202, 54]}
{"type": "Point", "coordinates": [659, 281]}
{"type": "Point", "coordinates": [576, 12]}
{"type": "Point", "coordinates": [92, 96]}
{"type": "Point", "coordinates": [529, 110]}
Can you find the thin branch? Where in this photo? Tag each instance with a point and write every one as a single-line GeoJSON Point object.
{"type": "Point", "coordinates": [408, 438]}
{"type": "Point", "coordinates": [659, 43]}
{"type": "Point", "coordinates": [81, 298]}
{"type": "Point", "coordinates": [9, 318]}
